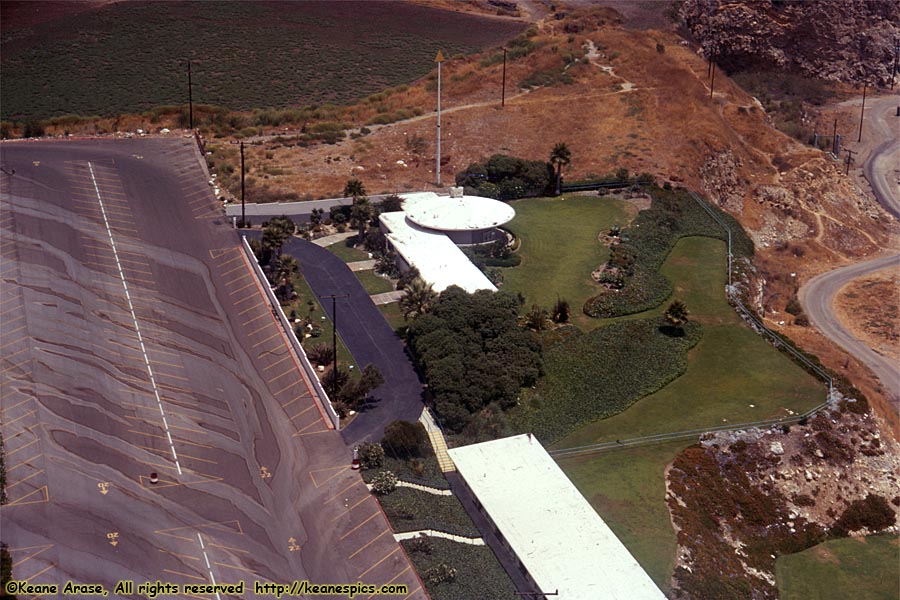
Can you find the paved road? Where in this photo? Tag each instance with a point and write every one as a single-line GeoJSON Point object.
{"type": "Point", "coordinates": [135, 339]}
{"type": "Point", "coordinates": [881, 157]}
{"type": "Point", "coordinates": [368, 337]}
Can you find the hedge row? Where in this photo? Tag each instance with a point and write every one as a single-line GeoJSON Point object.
{"type": "Point", "coordinates": [598, 374]}
{"type": "Point", "coordinates": [646, 243]}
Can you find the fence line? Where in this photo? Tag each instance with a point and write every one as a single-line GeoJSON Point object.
{"type": "Point", "coordinates": [321, 396]}
{"type": "Point", "coordinates": [777, 341]}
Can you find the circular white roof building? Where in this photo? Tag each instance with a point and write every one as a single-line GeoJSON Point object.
{"type": "Point", "coordinates": [465, 219]}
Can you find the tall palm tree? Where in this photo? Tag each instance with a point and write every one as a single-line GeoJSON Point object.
{"type": "Point", "coordinates": [418, 300]}
{"type": "Point", "coordinates": [276, 232]}
{"type": "Point", "coordinates": [354, 189]}
{"type": "Point", "coordinates": [560, 157]}
{"type": "Point", "coordinates": [360, 215]}
{"type": "Point", "coordinates": [288, 266]}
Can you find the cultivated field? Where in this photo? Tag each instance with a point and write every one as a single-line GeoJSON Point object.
{"type": "Point", "coordinates": [131, 56]}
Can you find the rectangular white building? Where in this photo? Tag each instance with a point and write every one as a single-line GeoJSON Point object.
{"type": "Point", "coordinates": [560, 541]}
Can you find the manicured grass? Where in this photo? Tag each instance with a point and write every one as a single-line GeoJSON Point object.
{"type": "Point", "coordinates": [130, 56]}
{"type": "Point", "coordinates": [430, 474]}
{"type": "Point", "coordinates": [627, 489]}
{"type": "Point", "coordinates": [304, 294]}
{"type": "Point", "coordinates": [393, 316]}
{"type": "Point", "coordinates": [865, 568]}
{"type": "Point", "coordinates": [560, 248]}
{"type": "Point", "coordinates": [409, 509]}
{"type": "Point", "coordinates": [478, 573]}
{"type": "Point", "coordinates": [373, 283]}
{"type": "Point", "coordinates": [730, 369]}
{"type": "Point", "coordinates": [346, 253]}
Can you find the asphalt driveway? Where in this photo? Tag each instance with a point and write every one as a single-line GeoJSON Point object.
{"type": "Point", "coordinates": [369, 338]}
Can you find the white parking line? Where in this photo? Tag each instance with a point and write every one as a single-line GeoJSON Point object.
{"type": "Point", "coordinates": [137, 327]}
{"type": "Point", "coordinates": [208, 567]}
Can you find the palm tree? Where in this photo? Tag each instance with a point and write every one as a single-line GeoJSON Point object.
{"type": "Point", "coordinates": [418, 300]}
{"type": "Point", "coordinates": [354, 189]}
{"type": "Point", "coordinates": [276, 232]}
{"type": "Point", "coordinates": [560, 157]}
{"type": "Point", "coordinates": [677, 314]}
{"type": "Point", "coordinates": [360, 215]}
{"type": "Point", "coordinates": [288, 266]}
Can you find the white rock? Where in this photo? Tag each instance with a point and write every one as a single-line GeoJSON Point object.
{"type": "Point", "coordinates": [776, 448]}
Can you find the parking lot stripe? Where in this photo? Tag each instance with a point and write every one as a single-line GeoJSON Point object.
{"type": "Point", "coordinates": [307, 409]}
{"type": "Point", "coordinates": [242, 300]}
{"type": "Point", "coordinates": [369, 518]}
{"type": "Point", "coordinates": [310, 433]}
{"type": "Point", "coordinates": [286, 388]}
{"type": "Point", "coordinates": [276, 363]}
{"type": "Point", "coordinates": [410, 595]}
{"type": "Point", "coordinates": [203, 579]}
{"type": "Point", "coordinates": [10, 453]}
{"type": "Point", "coordinates": [392, 580]}
{"type": "Point", "coordinates": [19, 418]}
{"type": "Point", "coordinates": [233, 292]}
{"type": "Point", "coordinates": [12, 485]}
{"type": "Point", "coordinates": [43, 548]}
{"type": "Point", "coordinates": [366, 497]}
{"type": "Point", "coordinates": [387, 556]}
{"type": "Point", "coordinates": [185, 556]}
{"type": "Point", "coordinates": [271, 337]}
{"type": "Point", "coordinates": [369, 543]}
{"type": "Point", "coordinates": [274, 379]}
{"type": "Point", "coordinates": [330, 498]}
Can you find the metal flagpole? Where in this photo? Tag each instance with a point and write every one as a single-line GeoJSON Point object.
{"type": "Point", "coordinates": [439, 59]}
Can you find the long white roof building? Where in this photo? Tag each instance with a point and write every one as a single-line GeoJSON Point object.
{"type": "Point", "coordinates": [559, 539]}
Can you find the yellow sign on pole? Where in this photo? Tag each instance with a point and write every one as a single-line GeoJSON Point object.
{"type": "Point", "coordinates": [439, 58]}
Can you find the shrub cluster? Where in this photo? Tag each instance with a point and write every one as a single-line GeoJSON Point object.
{"type": "Point", "coordinates": [872, 513]}
{"type": "Point", "coordinates": [479, 573]}
{"type": "Point", "coordinates": [507, 178]}
{"type": "Point", "coordinates": [646, 243]}
{"type": "Point", "coordinates": [473, 353]}
{"type": "Point", "coordinates": [598, 374]}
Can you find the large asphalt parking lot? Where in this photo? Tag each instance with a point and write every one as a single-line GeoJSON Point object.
{"type": "Point", "coordinates": [134, 339]}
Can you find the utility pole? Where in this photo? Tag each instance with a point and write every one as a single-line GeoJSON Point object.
{"type": "Point", "coordinates": [896, 57]}
{"type": "Point", "coordinates": [712, 82]}
{"type": "Point", "coordinates": [834, 143]}
{"type": "Point", "coordinates": [243, 208]}
{"type": "Point", "coordinates": [190, 97]}
{"type": "Point", "coordinates": [850, 154]}
{"type": "Point", "coordinates": [503, 85]}
{"type": "Point", "coordinates": [862, 112]}
{"type": "Point", "coordinates": [439, 59]}
{"type": "Point", "coordinates": [334, 366]}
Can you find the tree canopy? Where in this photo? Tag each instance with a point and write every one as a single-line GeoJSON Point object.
{"type": "Point", "coordinates": [473, 353]}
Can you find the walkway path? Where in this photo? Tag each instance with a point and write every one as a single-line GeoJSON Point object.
{"type": "Point", "coordinates": [332, 239]}
{"type": "Point", "coordinates": [436, 436]}
{"type": "Point", "coordinates": [387, 297]}
{"type": "Point", "coordinates": [406, 535]}
{"type": "Point", "coordinates": [362, 265]}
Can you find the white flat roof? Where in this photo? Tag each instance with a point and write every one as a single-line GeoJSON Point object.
{"type": "Point", "coordinates": [466, 213]}
{"type": "Point", "coordinates": [555, 533]}
{"type": "Point", "coordinates": [440, 262]}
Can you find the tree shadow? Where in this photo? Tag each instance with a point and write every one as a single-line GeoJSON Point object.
{"type": "Point", "coordinates": [672, 331]}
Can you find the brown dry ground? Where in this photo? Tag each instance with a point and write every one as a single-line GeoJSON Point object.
{"type": "Point", "coordinates": [804, 215]}
{"type": "Point", "coordinates": [870, 308]}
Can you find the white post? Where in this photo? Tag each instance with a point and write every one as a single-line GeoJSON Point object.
{"type": "Point", "coordinates": [439, 59]}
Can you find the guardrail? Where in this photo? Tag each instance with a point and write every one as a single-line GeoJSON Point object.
{"type": "Point", "coordinates": [599, 185]}
{"type": "Point", "coordinates": [320, 396]}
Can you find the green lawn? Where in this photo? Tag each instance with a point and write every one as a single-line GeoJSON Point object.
{"type": "Point", "coordinates": [304, 294]}
{"type": "Point", "coordinates": [393, 315]}
{"type": "Point", "coordinates": [730, 369]}
{"type": "Point", "coordinates": [373, 283]}
{"type": "Point", "coordinates": [860, 568]}
{"type": "Point", "coordinates": [627, 488]}
{"type": "Point", "coordinates": [346, 253]}
{"type": "Point", "coordinates": [560, 248]}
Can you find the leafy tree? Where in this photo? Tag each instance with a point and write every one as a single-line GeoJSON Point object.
{"type": "Point", "coordinates": [360, 215]}
{"type": "Point", "coordinates": [376, 241]}
{"type": "Point", "coordinates": [677, 314]}
{"type": "Point", "coordinates": [315, 217]}
{"type": "Point", "coordinates": [407, 276]}
{"type": "Point", "coordinates": [321, 354]}
{"type": "Point", "coordinates": [371, 455]}
{"type": "Point", "coordinates": [560, 157]}
{"type": "Point", "coordinates": [418, 298]}
{"type": "Point", "coordinates": [403, 439]}
{"type": "Point", "coordinates": [33, 129]}
{"type": "Point", "coordinates": [354, 189]}
{"type": "Point", "coordinates": [353, 393]}
{"type": "Point", "coordinates": [473, 353]}
{"type": "Point", "coordinates": [276, 231]}
{"type": "Point", "coordinates": [392, 203]}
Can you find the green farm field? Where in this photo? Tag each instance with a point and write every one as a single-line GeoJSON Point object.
{"type": "Point", "coordinates": [128, 57]}
{"type": "Point", "coordinates": [865, 568]}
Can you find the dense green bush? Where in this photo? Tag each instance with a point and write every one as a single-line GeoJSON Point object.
{"type": "Point", "coordinates": [646, 243]}
{"type": "Point", "coordinates": [384, 483]}
{"type": "Point", "coordinates": [507, 178]}
{"type": "Point", "coordinates": [473, 353]}
{"type": "Point", "coordinates": [371, 455]}
{"type": "Point", "coordinates": [403, 439]}
{"type": "Point", "coordinates": [598, 374]}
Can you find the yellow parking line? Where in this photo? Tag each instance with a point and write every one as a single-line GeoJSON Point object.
{"type": "Point", "coordinates": [369, 518]}
{"type": "Point", "coordinates": [390, 554]}
{"type": "Point", "coordinates": [254, 307]}
{"type": "Point", "coordinates": [307, 409]}
{"type": "Point", "coordinates": [11, 486]}
{"type": "Point", "coordinates": [242, 300]}
{"type": "Point", "coordinates": [393, 579]}
{"type": "Point", "coordinates": [372, 541]}
{"type": "Point", "coordinates": [22, 447]}
{"type": "Point", "coordinates": [410, 595]}
{"type": "Point", "coordinates": [19, 418]}
{"type": "Point", "coordinates": [330, 498]}
{"type": "Point", "coordinates": [291, 370]}
{"type": "Point", "coordinates": [230, 271]}
{"type": "Point", "coordinates": [273, 336]}
{"type": "Point", "coordinates": [366, 497]}
{"type": "Point", "coordinates": [276, 363]}
{"type": "Point", "coordinates": [233, 292]}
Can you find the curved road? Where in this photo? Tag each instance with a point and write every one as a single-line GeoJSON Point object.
{"type": "Point", "coordinates": [817, 295]}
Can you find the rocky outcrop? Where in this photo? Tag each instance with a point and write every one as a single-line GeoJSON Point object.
{"type": "Point", "coordinates": [840, 40]}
